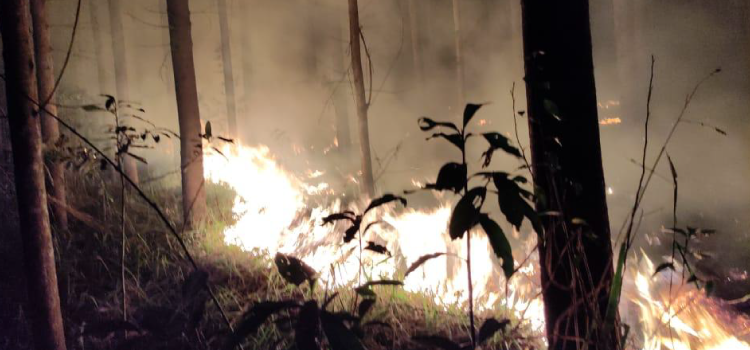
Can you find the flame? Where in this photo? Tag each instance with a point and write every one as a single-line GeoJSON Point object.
{"type": "Point", "coordinates": [679, 316]}
{"type": "Point", "coordinates": [275, 213]}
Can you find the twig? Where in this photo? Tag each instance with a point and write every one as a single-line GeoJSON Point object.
{"type": "Point", "coordinates": [67, 57]}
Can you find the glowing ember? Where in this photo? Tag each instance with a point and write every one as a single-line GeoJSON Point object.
{"type": "Point", "coordinates": [610, 121]}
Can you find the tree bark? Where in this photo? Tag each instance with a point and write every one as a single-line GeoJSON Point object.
{"type": "Point", "coordinates": [338, 83]}
{"type": "Point", "coordinates": [101, 62]}
{"type": "Point", "coordinates": [121, 73]}
{"type": "Point", "coordinates": [576, 261]}
{"type": "Point", "coordinates": [23, 116]}
{"type": "Point", "coordinates": [247, 62]}
{"type": "Point", "coordinates": [226, 54]}
{"type": "Point", "coordinates": [50, 129]}
{"type": "Point", "coordinates": [368, 184]}
{"type": "Point", "coordinates": [415, 42]}
{"type": "Point", "coordinates": [193, 193]}
{"type": "Point", "coordinates": [459, 56]}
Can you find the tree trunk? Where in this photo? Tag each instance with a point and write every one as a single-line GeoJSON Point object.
{"type": "Point", "coordinates": [247, 63]}
{"type": "Point", "coordinates": [121, 73]}
{"type": "Point", "coordinates": [50, 129]}
{"type": "Point", "coordinates": [576, 261]}
{"type": "Point", "coordinates": [368, 184]}
{"type": "Point", "coordinates": [459, 58]}
{"type": "Point", "coordinates": [193, 193]}
{"type": "Point", "coordinates": [415, 42]}
{"type": "Point", "coordinates": [101, 62]}
{"type": "Point", "coordinates": [226, 54]}
{"type": "Point", "coordinates": [338, 83]}
{"type": "Point", "coordinates": [23, 116]}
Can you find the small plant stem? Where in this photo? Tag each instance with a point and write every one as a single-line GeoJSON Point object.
{"type": "Point", "coordinates": [122, 215]}
{"type": "Point", "coordinates": [472, 330]}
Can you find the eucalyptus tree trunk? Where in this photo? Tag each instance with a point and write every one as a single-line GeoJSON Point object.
{"type": "Point", "coordinates": [121, 72]}
{"type": "Point", "coordinates": [459, 56]}
{"type": "Point", "coordinates": [339, 83]}
{"type": "Point", "coordinates": [50, 129]}
{"type": "Point", "coordinates": [575, 260]}
{"type": "Point", "coordinates": [26, 140]}
{"type": "Point", "coordinates": [191, 150]}
{"type": "Point", "coordinates": [226, 54]}
{"type": "Point", "coordinates": [416, 56]}
{"type": "Point", "coordinates": [101, 62]}
{"type": "Point", "coordinates": [247, 63]}
{"type": "Point", "coordinates": [368, 183]}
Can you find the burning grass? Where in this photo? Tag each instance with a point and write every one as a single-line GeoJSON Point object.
{"type": "Point", "coordinates": [164, 312]}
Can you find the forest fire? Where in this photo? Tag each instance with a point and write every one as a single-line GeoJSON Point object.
{"type": "Point", "coordinates": [270, 201]}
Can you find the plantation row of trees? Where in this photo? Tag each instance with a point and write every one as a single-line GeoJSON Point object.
{"type": "Point", "coordinates": [577, 262]}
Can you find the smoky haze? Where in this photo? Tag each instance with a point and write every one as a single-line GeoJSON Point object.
{"type": "Point", "coordinates": [290, 57]}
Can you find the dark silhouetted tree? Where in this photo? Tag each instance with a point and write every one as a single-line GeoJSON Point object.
{"type": "Point", "coordinates": [575, 250]}
{"type": "Point", "coordinates": [26, 139]}
{"type": "Point", "coordinates": [193, 193]}
{"type": "Point", "coordinates": [368, 184]}
{"type": "Point", "coordinates": [226, 55]}
{"type": "Point", "coordinates": [121, 72]}
{"type": "Point", "coordinates": [50, 129]}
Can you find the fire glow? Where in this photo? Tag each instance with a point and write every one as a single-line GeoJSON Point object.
{"type": "Point", "coordinates": [274, 215]}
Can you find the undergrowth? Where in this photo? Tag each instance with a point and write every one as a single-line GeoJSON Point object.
{"type": "Point", "coordinates": [168, 309]}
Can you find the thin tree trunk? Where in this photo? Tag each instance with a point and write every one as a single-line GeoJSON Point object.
{"type": "Point", "coordinates": [193, 194]}
{"type": "Point", "coordinates": [226, 54]}
{"type": "Point", "coordinates": [340, 98]}
{"type": "Point", "coordinates": [247, 63]}
{"type": "Point", "coordinates": [368, 184]}
{"type": "Point", "coordinates": [101, 62]}
{"type": "Point", "coordinates": [50, 129]}
{"type": "Point", "coordinates": [576, 261]}
{"type": "Point", "coordinates": [23, 116]}
{"type": "Point", "coordinates": [415, 42]}
{"type": "Point", "coordinates": [459, 56]}
{"type": "Point", "coordinates": [121, 72]}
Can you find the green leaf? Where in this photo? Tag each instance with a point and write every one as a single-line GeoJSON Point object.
{"type": "Point", "coordinates": [377, 248]}
{"type": "Point", "coordinates": [427, 124]}
{"type": "Point", "coordinates": [452, 177]}
{"type": "Point", "coordinates": [469, 112]}
{"type": "Point", "coordinates": [92, 108]}
{"type": "Point", "coordinates": [208, 134]}
{"type": "Point", "coordinates": [419, 262]}
{"type": "Point", "coordinates": [294, 270]}
{"type": "Point", "coordinates": [456, 139]}
{"type": "Point", "coordinates": [365, 292]}
{"type": "Point", "coordinates": [364, 306]}
{"type": "Point", "coordinates": [466, 213]}
{"type": "Point", "coordinates": [616, 291]}
{"type": "Point", "coordinates": [347, 215]}
{"type": "Point", "coordinates": [664, 266]}
{"type": "Point", "coordinates": [387, 198]}
{"type": "Point", "coordinates": [551, 108]}
{"type": "Point", "coordinates": [500, 244]}
{"type": "Point", "coordinates": [499, 141]}
{"type": "Point", "coordinates": [254, 318]}
{"type": "Point", "coordinates": [339, 337]}
{"type": "Point", "coordinates": [489, 328]}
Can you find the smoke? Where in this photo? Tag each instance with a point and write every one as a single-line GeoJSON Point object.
{"type": "Point", "coordinates": [291, 57]}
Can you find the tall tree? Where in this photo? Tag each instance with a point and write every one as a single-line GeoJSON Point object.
{"type": "Point", "coordinates": [101, 62]}
{"type": "Point", "coordinates": [26, 140]}
{"type": "Point", "coordinates": [337, 82]}
{"type": "Point", "coordinates": [191, 150]}
{"type": "Point", "coordinates": [459, 54]}
{"type": "Point", "coordinates": [368, 183]}
{"type": "Point", "coordinates": [50, 129]}
{"type": "Point", "coordinates": [247, 66]}
{"type": "Point", "coordinates": [416, 56]}
{"type": "Point", "coordinates": [121, 72]}
{"type": "Point", "coordinates": [575, 258]}
{"type": "Point", "coordinates": [226, 54]}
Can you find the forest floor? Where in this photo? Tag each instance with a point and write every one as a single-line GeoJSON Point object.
{"type": "Point", "coordinates": [166, 309]}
